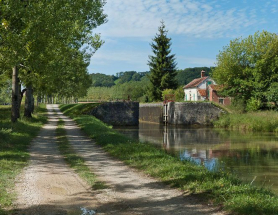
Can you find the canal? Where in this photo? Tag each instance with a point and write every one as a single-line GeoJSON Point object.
{"type": "Point", "coordinates": [251, 156]}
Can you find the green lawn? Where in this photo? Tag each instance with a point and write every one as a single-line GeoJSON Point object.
{"type": "Point", "coordinates": [14, 141]}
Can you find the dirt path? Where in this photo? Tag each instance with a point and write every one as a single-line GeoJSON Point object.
{"type": "Point", "coordinates": [48, 186]}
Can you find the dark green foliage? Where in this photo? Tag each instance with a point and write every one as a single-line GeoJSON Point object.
{"type": "Point", "coordinates": [126, 77]}
{"type": "Point", "coordinates": [162, 65]}
{"type": "Point", "coordinates": [102, 80]}
{"type": "Point", "coordinates": [272, 94]}
{"type": "Point", "coordinates": [5, 91]}
{"type": "Point", "coordinates": [185, 76]}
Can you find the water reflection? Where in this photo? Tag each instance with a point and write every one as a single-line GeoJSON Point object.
{"type": "Point", "coordinates": [247, 155]}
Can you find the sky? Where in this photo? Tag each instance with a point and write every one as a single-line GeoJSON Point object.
{"type": "Point", "coordinates": [199, 29]}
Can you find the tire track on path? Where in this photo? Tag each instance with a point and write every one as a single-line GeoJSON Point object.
{"type": "Point", "coordinates": [47, 185]}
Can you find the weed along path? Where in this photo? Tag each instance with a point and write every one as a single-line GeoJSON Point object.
{"type": "Point", "coordinates": [49, 186]}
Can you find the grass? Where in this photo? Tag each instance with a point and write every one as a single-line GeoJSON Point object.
{"type": "Point", "coordinates": [220, 188]}
{"type": "Point", "coordinates": [263, 121]}
{"type": "Point", "coordinates": [73, 160]}
{"type": "Point", "coordinates": [15, 139]}
{"type": "Point", "coordinates": [76, 109]}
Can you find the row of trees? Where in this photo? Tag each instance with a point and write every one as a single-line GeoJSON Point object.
{"type": "Point", "coordinates": [46, 47]}
{"type": "Point", "coordinates": [102, 80]}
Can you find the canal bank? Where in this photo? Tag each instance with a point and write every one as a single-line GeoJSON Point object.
{"type": "Point", "coordinates": [221, 188]}
{"type": "Point", "coordinates": [250, 156]}
{"type": "Point", "coordinates": [180, 113]}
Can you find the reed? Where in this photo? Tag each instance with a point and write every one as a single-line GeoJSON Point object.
{"type": "Point", "coordinates": [262, 121]}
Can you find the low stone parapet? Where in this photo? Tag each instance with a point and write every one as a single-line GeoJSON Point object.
{"type": "Point", "coordinates": [117, 113]}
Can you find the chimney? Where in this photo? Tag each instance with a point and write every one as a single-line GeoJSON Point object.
{"type": "Point", "coordinates": [203, 73]}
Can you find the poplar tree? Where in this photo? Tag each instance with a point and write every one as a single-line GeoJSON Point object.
{"type": "Point", "coordinates": [162, 65]}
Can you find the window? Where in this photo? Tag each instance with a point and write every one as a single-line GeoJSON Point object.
{"type": "Point", "coordinates": [221, 101]}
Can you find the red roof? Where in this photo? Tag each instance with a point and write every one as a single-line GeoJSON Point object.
{"type": "Point", "coordinates": [216, 87]}
{"type": "Point", "coordinates": [202, 92]}
{"type": "Point", "coordinates": [195, 82]}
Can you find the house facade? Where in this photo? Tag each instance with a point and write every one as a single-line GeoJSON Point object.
{"type": "Point", "coordinates": [215, 97]}
{"type": "Point", "coordinates": [196, 90]}
{"type": "Point", "coordinates": [204, 88]}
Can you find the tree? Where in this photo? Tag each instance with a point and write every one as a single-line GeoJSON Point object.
{"type": "Point", "coordinates": [162, 65]}
{"type": "Point", "coordinates": [187, 75]}
{"type": "Point", "coordinates": [272, 94]}
{"type": "Point", "coordinates": [34, 33]}
{"type": "Point", "coordinates": [247, 68]}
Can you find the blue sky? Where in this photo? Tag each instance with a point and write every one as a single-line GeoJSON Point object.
{"type": "Point", "coordinates": [199, 30]}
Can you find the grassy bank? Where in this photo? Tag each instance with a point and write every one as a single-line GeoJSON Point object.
{"type": "Point", "coordinates": [221, 188]}
{"type": "Point", "coordinates": [73, 160]}
{"type": "Point", "coordinates": [14, 141]}
{"type": "Point", "coordinates": [264, 121]}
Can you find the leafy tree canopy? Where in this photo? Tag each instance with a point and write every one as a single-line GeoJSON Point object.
{"type": "Point", "coordinates": [248, 67]}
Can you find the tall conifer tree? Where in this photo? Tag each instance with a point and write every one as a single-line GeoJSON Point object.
{"type": "Point", "coordinates": [162, 65]}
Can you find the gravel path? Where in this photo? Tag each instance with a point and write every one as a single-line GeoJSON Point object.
{"type": "Point", "coordinates": [48, 186]}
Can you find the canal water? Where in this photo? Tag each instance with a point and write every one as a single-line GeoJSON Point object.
{"type": "Point", "coordinates": [251, 156]}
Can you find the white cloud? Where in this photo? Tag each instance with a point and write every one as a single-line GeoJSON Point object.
{"type": "Point", "coordinates": [141, 18]}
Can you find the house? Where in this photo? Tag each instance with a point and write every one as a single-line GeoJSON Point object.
{"type": "Point", "coordinates": [204, 88]}
{"type": "Point", "coordinates": [196, 90]}
{"type": "Point", "coordinates": [215, 97]}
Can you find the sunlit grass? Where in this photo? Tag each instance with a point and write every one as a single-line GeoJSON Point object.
{"type": "Point", "coordinates": [73, 160]}
{"type": "Point", "coordinates": [264, 121]}
{"type": "Point", "coordinates": [15, 139]}
{"type": "Point", "coordinates": [221, 188]}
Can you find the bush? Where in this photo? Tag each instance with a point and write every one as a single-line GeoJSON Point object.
{"type": "Point", "coordinates": [253, 104]}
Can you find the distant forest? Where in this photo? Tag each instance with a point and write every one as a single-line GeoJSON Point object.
{"type": "Point", "coordinates": [133, 85]}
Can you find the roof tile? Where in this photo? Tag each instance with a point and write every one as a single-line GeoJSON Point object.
{"type": "Point", "coordinates": [195, 82]}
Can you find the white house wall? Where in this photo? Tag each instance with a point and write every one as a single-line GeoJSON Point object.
{"type": "Point", "coordinates": [191, 94]}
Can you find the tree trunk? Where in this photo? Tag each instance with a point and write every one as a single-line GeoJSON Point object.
{"type": "Point", "coordinates": [15, 95]}
{"type": "Point", "coordinates": [20, 97]}
{"type": "Point", "coordinates": [28, 102]}
{"type": "Point", "coordinates": [33, 102]}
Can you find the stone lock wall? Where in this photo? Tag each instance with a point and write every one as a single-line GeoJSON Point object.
{"type": "Point", "coordinates": [152, 112]}
{"type": "Point", "coordinates": [190, 113]}
{"type": "Point", "coordinates": [117, 113]}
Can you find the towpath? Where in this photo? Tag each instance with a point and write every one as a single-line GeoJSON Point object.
{"type": "Point", "coordinates": [49, 186]}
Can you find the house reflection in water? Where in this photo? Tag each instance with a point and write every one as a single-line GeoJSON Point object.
{"type": "Point", "coordinates": [246, 155]}
{"type": "Point", "coordinates": [201, 158]}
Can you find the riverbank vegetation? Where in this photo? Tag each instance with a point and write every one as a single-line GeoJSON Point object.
{"type": "Point", "coordinates": [263, 121]}
{"type": "Point", "coordinates": [221, 188]}
{"type": "Point", "coordinates": [15, 139]}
